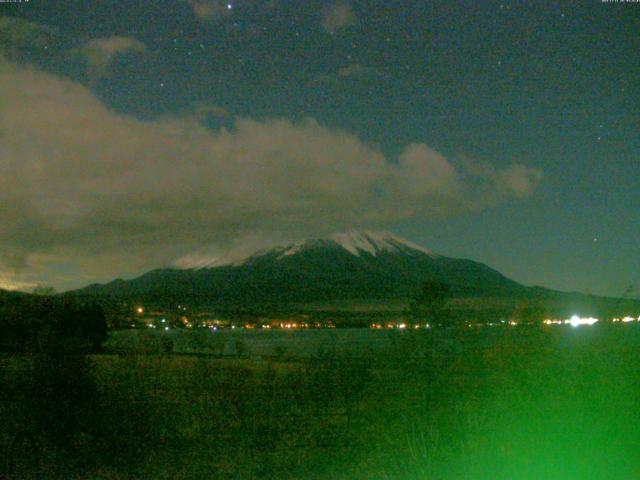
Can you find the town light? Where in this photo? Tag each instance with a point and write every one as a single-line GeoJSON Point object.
{"type": "Point", "coordinates": [576, 321]}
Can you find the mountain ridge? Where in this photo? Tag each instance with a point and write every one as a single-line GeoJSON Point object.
{"type": "Point", "coordinates": [353, 268]}
{"type": "Point", "coordinates": [349, 265]}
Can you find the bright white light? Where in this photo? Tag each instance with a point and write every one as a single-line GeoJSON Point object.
{"type": "Point", "coordinates": [166, 328]}
{"type": "Point", "coordinates": [628, 319]}
{"type": "Point", "coordinates": [576, 321]}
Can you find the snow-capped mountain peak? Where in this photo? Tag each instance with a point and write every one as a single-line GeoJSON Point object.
{"type": "Point", "coordinates": [357, 241]}
{"type": "Point", "coordinates": [351, 265]}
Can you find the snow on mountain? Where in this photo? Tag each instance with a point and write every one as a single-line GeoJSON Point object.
{"type": "Point", "coordinates": [356, 242]}
{"type": "Point", "coordinates": [196, 261]}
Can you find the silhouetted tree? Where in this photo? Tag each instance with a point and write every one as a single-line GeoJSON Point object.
{"type": "Point", "coordinates": [68, 326]}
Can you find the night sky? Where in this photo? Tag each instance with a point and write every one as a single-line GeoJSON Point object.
{"type": "Point", "coordinates": [135, 133]}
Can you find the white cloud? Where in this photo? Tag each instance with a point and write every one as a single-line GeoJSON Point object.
{"type": "Point", "coordinates": [99, 52]}
{"type": "Point", "coordinates": [88, 190]}
{"type": "Point", "coordinates": [337, 16]}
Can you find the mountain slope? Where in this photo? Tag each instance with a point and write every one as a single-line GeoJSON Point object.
{"type": "Point", "coordinates": [354, 265]}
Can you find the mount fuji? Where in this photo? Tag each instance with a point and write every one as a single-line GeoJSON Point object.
{"type": "Point", "coordinates": [354, 265]}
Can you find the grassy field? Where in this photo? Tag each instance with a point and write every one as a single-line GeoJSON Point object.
{"type": "Point", "coordinates": [510, 403]}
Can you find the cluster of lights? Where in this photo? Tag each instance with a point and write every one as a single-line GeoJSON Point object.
{"type": "Point", "coordinates": [298, 325]}
{"type": "Point", "coordinates": [400, 326]}
{"type": "Point", "coordinates": [290, 325]}
{"type": "Point", "coordinates": [553, 322]}
{"type": "Point", "coordinates": [626, 319]}
{"type": "Point", "coordinates": [574, 321]}
{"type": "Point", "coordinates": [151, 325]}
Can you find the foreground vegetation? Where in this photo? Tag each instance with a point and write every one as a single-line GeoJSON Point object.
{"type": "Point", "coordinates": [513, 404]}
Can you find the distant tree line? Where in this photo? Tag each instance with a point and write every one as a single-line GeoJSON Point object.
{"type": "Point", "coordinates": [46, 324]}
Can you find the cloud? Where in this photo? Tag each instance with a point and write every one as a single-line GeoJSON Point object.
{"type": "Point", "coordinates": [87, 191]}
{"type": "Point", "coordinates": [518, 181]}
{"type": "Point", "coordinates": [337, 17]}
{"type": "Point", "coordinates": [493, 185]}
{"type": "Point", "coordinates": [99, 52]}
{"type": "Point", "coordinates": [210, 9]}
